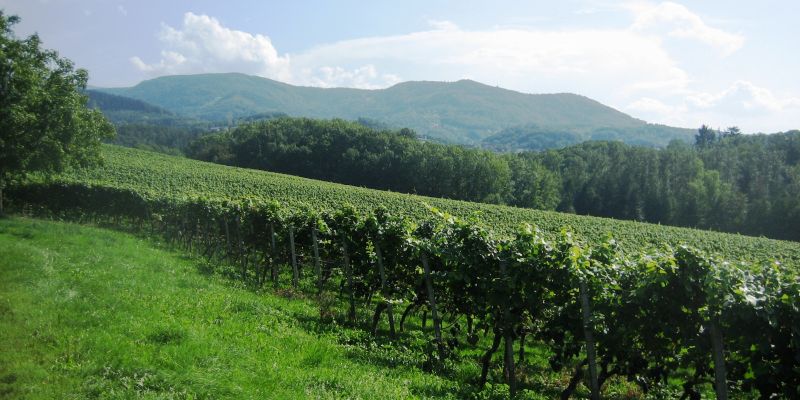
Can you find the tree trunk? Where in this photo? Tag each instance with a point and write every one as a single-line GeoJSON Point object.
{"type": "Point", "coordinates": [351, 315]}
{"type": "Point", "coordinates": [389, 308]}
{"type": "Point", "coordinates": [589, 336]}
{"type": "Point", "coordinates": [437, 322]}
{"type": "Point", "coordinates": [720, 384]}
{"type": "Point", "coordinates": [295, 273]}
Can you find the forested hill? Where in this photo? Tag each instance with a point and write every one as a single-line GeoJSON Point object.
{"type": "Point", "coordinates": [463, 112]}
{"type": "Point", "coordinates": [122, 110]}
{"type": "Point", "coordinates": [735, 183]}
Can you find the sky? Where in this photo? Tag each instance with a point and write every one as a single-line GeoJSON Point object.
{"type": "Point", "coordinates": [717, 62]}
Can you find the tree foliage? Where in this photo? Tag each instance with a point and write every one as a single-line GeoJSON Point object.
{"type": "Point", "coordinates": [44, 122]}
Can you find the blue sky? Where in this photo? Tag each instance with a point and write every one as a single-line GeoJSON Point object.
{"type": "Point", "coordinates": [721, 63]}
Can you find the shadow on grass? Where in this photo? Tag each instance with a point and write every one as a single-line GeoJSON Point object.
{"type": "Point", "coordinates": [410, 350]}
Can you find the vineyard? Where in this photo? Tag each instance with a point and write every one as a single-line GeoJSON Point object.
{"type": "Point", "coordinates": [610, 299]}
{"type": "Point", "coordinates": [157, 176]}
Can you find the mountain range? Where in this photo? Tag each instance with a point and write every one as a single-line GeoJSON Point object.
{"type": "Point", "coordinates": [462, 112]}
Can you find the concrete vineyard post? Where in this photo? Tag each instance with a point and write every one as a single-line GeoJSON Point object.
{"type": "Point", "coordinates": [720, 379]}
{"type": "Point", "coordinates": [382, 270]}
{"type": "Point", "coordinates": [589, 337]}
{"type": "Point", "coordinates": [508, 358]}
{"type": "Point", "coordinates": [295, 273]}
{"type": "Point", "coordinates": [351, 315]}
{"type": "Point", "coordinates": [317, 266]}
{"type": "Point", "coordinates": [437, 323]}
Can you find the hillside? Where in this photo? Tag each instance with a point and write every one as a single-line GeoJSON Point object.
{"type": "Point", "coordinates": [142, 125]}
{"type": "Point", "coordinates": [472, 274]}
{"type": "Point", "coordinates": [463, 112]}
{"type": "Point", "coordinates": [161, 175]}
{"type": "Point", "coordinates": [537, 138]}
{"type": "Point", "coordinates": [126, 110]}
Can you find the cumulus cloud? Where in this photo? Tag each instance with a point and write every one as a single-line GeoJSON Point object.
{"type": "Point", "coordinates": [366, 77]}
{"type": "Point", "coordinates": [743, 103]}
{"type": "Point", "coordinates": [677, 21]}
{"type": "Point", "coordinates": [650, 105]}
{"type": "Point", "coordinates": [203, 44]}
{"type": "Point", "coordinates": [442, 25]}
{"type": "Point", "coordinates": [527, 60]}
{"type": "Point", "coordinates": [744, 96]}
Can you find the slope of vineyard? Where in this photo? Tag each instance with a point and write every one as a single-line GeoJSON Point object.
{"type": "Point", "coordinates": [567, 295]}
{"type": "Point", "coordinates": [160, 175]}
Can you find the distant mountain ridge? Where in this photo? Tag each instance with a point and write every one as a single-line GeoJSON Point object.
{"type": "Point", "coordinates": [464, 112]}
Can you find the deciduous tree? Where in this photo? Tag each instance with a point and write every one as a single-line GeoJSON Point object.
{"type": "Point", "coordinates": [44, 122]}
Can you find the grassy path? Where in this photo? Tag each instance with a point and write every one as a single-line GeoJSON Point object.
{"type": "Point", "coordinates": [93, 313]}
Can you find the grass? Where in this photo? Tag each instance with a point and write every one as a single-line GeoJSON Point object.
{"type": "Point", "coordinates": [92, 313]}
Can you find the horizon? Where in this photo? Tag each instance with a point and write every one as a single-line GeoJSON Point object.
{"type": "Point", "coordinates": [670, 63]}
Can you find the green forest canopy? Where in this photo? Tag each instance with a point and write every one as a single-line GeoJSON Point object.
{"type": "Point", "coordinates": [735, 183]}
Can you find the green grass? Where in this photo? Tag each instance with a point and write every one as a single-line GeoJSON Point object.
{"type": "Point", "coordinates": [92, 313]}
{"type": "Point", "coordinates": [161, 175]}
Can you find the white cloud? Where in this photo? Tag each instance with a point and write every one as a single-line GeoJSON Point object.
{"type": "Point", "coordinates": [171, 62]}
{"type": "Point", "coordinates": [654, 106]}
{"type": "Point", "coordinates": [744, 96]}
{"type": "Point", "coordinates": [442, 25]}
{"type": "Point", "coordinates": [202, 44]}
{"type": "Point", "coordinates": [675, 20]}
{"type": "Point", "coordinates": [585, 61]}
{"type": "Point", "coordinates": [743, 103]}
{"type": "Point", "coordinates": [366, 77]}
{"type": "Point", "coordinates": [122, 10]}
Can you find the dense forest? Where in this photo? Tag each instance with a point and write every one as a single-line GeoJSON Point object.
{"type": "Point", "coordinates": [725, 181]}
{"type": "Point", "coordinates": [142, 125]}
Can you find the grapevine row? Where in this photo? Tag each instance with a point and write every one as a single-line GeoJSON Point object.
{"type": "Point", "coordinates": [647, 317]}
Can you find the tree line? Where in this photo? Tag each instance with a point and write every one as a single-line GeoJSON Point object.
{"type": "Point", "coordinates": [726, 181]}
